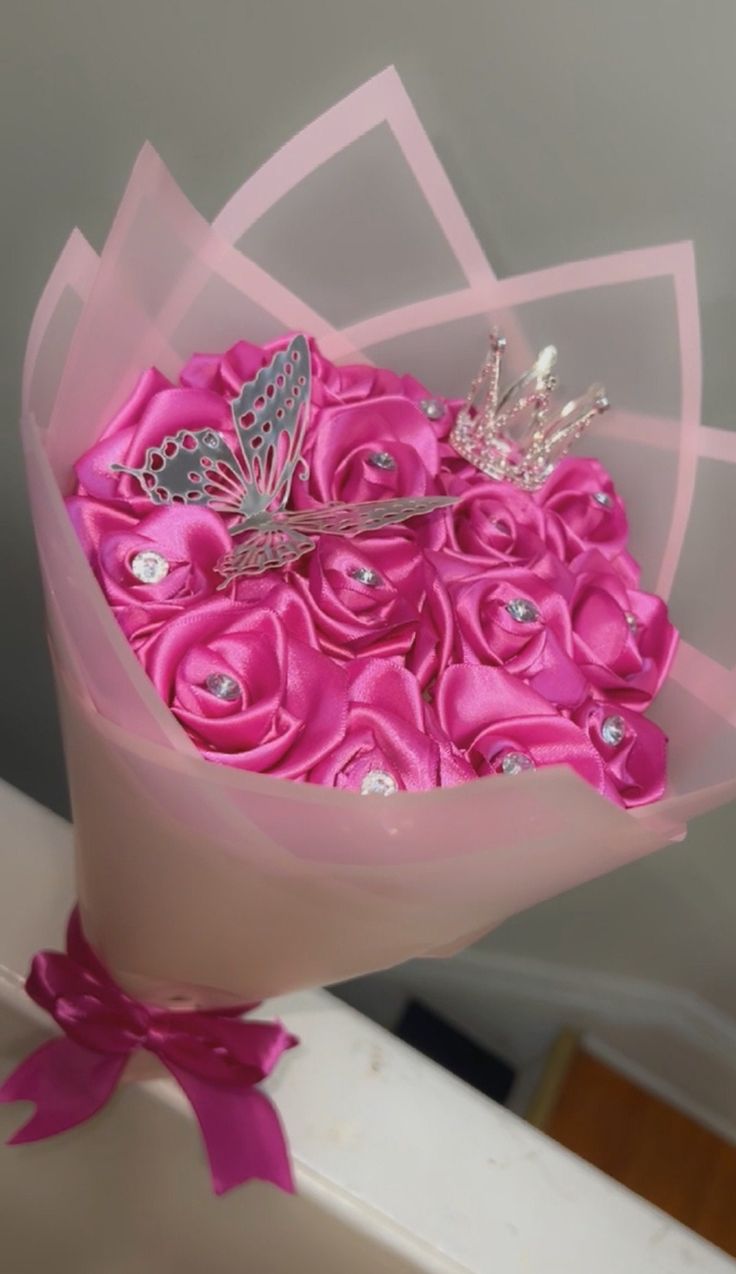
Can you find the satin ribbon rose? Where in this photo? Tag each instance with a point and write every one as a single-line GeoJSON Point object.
{"type": "Point", "coordinates": [505, 727]}
{"type": "Point", "coordinates": [248, 685]}
{"type": "Point", "coordinates": [434, 642]}
{"type": "Point", "coordinates": [383, 448]}
{"type": "Point", "coordinates": [518, 622]}
{"type": "Point", "coordinates": [580, 499]}
{"type": "Point", "coordinates": [150, 568]}
{"type": "Point", "coordinates": [493, 526]}
{"type": "Point", "coordinates": [366, 594]}
{"type": "Point", "coordinates": [623, 639]}
{"type": "Point", "coordinates": [633, 748]}
{"type": "Point", "coordinates": [335, 384]}
{"type": "Point", "coordinates": [390, 743]}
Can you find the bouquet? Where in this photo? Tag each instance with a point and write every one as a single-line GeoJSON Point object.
{"type": "Point", "coordinates": [503, 631]}
{"type": "Point", "coordinates": [401, 587]}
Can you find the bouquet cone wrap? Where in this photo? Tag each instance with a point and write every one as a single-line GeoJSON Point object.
{"type": "Point", "coordinates": [218, 885]}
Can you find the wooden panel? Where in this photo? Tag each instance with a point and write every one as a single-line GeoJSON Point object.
{"type": "Point", "coordinates": [647, 1145]}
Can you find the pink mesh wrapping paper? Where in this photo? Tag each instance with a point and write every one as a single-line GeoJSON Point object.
{"type": "Point", "coordinates": [202, 881]}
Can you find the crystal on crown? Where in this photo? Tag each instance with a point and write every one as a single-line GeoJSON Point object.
{"type": "Point", "coordinates": [515, 434]}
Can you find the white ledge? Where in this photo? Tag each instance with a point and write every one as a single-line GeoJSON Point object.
{"type": "Point", "coordinates": [399, 1166]}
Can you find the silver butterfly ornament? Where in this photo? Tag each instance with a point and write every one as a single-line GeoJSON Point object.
{"type": "Point", "coordinates": [270, 417]}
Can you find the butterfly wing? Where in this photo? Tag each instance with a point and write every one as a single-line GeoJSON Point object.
{"type": "Point", "coordinates": [192, 467]}
{"type": "Point", "coordinates": [352, 519]}
{"type": "Point", "coordinates": [270, 416]}
{"type": "Point", "coordinates": [263, 550]}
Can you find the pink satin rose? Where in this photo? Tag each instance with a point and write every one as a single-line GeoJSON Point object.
{"type": "Point", "coordinates": [388, 744]}
{"type": "Point", "coordinates": [516, 621]}
{"type": "Point", "coordinates": [225, 374]}
{"type": "Point", "coordinates": [380, 449]}
{"type": "Point", "coordinates": [248, 686]}
{"type": "Point", "coordinates": [633, 748]}
{"type": "Point", "coordinates": [623, 639]}
{"type": "Point", "coordinates": [580, 499]}
{"type": "Point", "coordinates": [153, 567]}
{"type": "Point", "coordinates": [505, 727]}
{"type": "Point", "coordinates": [336, 384]}
{"type": "Point", "coordinates": [493, 526]}
{"type": "Point", "coordinates": [365, 594]}
{"type": "Point", "coordinates": [432, 649]}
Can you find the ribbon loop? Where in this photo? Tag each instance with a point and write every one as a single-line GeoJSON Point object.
{"type": "Point", "coordinates": [216, 1058]}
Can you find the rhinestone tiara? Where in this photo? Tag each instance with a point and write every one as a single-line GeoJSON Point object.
{"type": "Point", "coordinates": [516, 435]}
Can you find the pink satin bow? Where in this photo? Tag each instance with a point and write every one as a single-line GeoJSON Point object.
{"type": "Point", "coordinates": [216, 1058]}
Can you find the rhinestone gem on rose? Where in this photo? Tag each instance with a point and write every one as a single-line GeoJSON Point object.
{"type": "Point", "coordinates": [382, 460]}
{"type": "Point", "coordinates": [149, 567]}
{"type": "Point", "coordinates": [222, 686]}
{"type": "Point", "coordinates": [613, 731]}
{"type": "Point", "coordinates": [378, 783]}
{"type": "Point", "coordinates": [364, 575]}
{"type": "Point", "coordinates": [432, 409]}
{"type": "Point", "coordinates": [522, 610]}
{"type": "Point", "coordinates": [516, 763]}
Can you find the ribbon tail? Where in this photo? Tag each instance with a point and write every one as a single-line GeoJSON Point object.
{"type": "Point", "coordinates": [241, 1130]}
{"type": "Point", "coordinates": [67, 1084]}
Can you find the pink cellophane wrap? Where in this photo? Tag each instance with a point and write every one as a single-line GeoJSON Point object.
{"type": "Point", "coordinates": [218, 884]}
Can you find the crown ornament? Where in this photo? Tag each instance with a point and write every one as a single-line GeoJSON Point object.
{"type": "Point", "coordinates": [515, 434]}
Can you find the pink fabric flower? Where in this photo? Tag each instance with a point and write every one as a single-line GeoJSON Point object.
{"type": "Point", "coordinates": [505, 727]}
{"type": "Point", "coordinates": [516, 621]}
{"type": "Point", "coordinates": [153, 567]}
{"type": "Point", "coordinates": [225, 374]}
{"type": "Point", "coordinates": [387, 734]}
{"type": "Point", "coordinates": [359, 382]}
{"type": "Point", "coordinates": [366, 594]}
{"type": "Point", "coordinates": [633, 748]}
{"type": "Point", "coordinates": [623, 639]}
{"type": "Point", "coordinates": [579, 498]}
{"type": "Point", "coordinates": [433, 645]}
{"type": "Point", "coordinates": [381, 449]}
{"type": "Point", "coordinates": [247, 685]}
{"type": "Point", "coordinates": [493, 526]}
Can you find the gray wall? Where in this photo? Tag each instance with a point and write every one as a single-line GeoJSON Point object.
{"type": "Point", "coordinates": [569, 127]}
